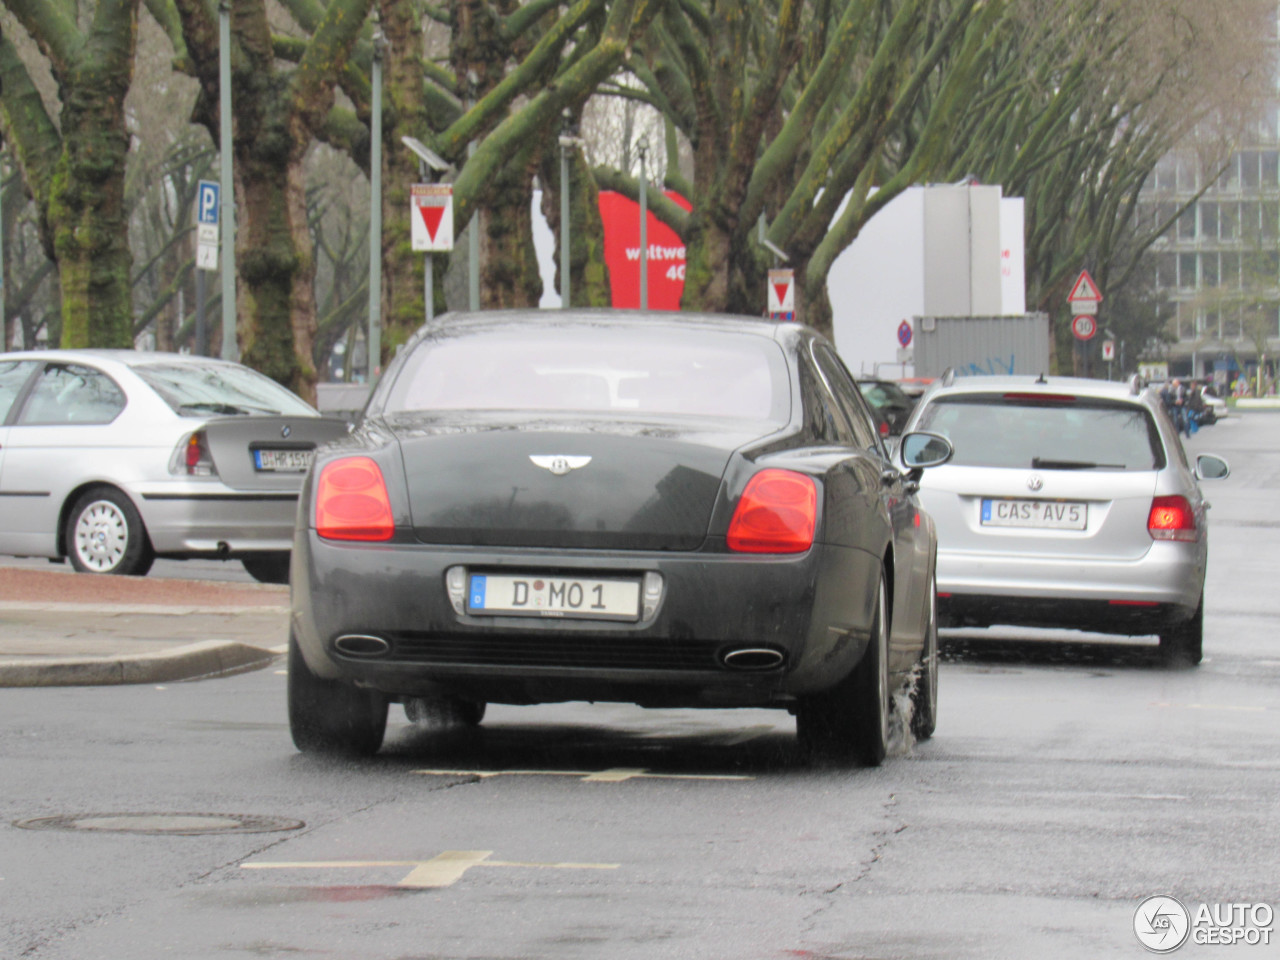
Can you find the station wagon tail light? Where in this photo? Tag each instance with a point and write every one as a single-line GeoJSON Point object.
{"type": "Point", "coordinates": [352, 501]}
{"type": "Point", "coordinates": [1172, 518]}
{"type": "Point", "coordinates": [192, 457]}
{"type": "Point", "coordinates": [777, 513]}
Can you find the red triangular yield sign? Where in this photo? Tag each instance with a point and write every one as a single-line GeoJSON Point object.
{"type": "Point", "coordinates": [781, 290]}
{"type": "Point", "coordinates": [1085, 289]}
{"type": "Point", "coordinates": [431, 216]}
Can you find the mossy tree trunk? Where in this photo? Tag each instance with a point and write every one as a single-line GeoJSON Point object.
{"type": "Point", "coordinates": [277, 113]}
{"type": "Point", "coordinates": [75, 168]}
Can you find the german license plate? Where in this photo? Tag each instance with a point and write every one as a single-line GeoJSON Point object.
{"type": "Point", "coordinates": [532, 595]}
{"type": "Point", "coordinates": [1042, 514]}
{"type": "Point", "coordinates": [283, 461]}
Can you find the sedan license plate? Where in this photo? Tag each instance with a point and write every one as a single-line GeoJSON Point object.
{"type": "Point", "coordinates": [532, 595]}
{"type": "Point", "coordinates": [1041, 514]}
{"type": "Point", "coordinates": [283, 461]}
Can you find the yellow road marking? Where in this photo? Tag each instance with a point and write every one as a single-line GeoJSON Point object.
{"type": "Point", "coordinates": [443, 870]}
{"type": "Point", "coordinates": [613, 775]}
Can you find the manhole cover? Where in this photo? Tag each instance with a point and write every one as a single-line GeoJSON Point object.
{"type": "Point", "coordinates": [174, 824]}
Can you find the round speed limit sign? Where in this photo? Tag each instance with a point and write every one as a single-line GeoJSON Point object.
{"type": "Point", "coordinates": [1084, 326]}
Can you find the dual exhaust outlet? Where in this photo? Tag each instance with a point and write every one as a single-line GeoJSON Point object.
{"type": "Point", "coordinates": [736, 658]}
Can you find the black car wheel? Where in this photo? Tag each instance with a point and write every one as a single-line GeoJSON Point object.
{"type": "Point", "coordinates": [268, 567]}
{"type": "Point", "coordinates": [104, 534]}
{"type": "Point", "coordinates": [444, 711]}
{"type": "Point", "coordinates": [924, 694]}
{"type": "Point", "coordinates": [851, 720]}
{"type": "Point", "coordinates": [1183, 645]}
{"type": "Point", "coordinates": [331, 717]}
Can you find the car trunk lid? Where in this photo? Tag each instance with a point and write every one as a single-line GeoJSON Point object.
{"type": "Point", "coordinates": [1078, 514]}
{"type": "Point", "coordinates": [597, 484]}
{"type": "Point", "coordinates": [267, 453]}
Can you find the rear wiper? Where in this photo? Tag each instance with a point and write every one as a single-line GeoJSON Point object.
{"type": "Point", "coordinates": [1039, 463]}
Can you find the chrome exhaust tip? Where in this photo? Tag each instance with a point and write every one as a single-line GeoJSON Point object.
{"type": "Point", "coordinates": [752, 658]}
{"type": "Point", "coordinates": [362, 645]}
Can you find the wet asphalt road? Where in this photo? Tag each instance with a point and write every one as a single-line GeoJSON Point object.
{"type": "Point", "coordinates": [1068, 781]}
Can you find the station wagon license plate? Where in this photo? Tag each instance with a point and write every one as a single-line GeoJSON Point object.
{"type": "Point", "coordinates": [283, 461]}
{"type": "Point", "coordinates": [532, 595]}
{"type": "Point", "coordinates": [1042, 514]}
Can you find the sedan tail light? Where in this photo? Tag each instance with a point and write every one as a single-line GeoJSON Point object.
{"type": "Point", "coordinates": [1172, 518]}
{"type": "Point", "coordinates": [192, 457]}
{"type": "Point", "coordinates": [777, 513]}
{"type": "Point", "coordinates": [352, 501]}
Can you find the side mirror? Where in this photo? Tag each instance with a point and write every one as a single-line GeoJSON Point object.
{"type": "Point", "coordinates": [1211, 467]}
{"type": "Point", "coordinates": [920, 450]}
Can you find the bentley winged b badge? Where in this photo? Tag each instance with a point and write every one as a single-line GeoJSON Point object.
{"type": "Point", "coordinates": [558, 464]}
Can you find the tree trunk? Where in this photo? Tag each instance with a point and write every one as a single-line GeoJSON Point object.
{"type": "Point", "coordinates": [405, 114]}
{"type": "Point", "coordinates": [509, 274]}
{"type": "Point", "coordinates": [86, 213]}
{"type": "Point", "coordinates": [275, 303]}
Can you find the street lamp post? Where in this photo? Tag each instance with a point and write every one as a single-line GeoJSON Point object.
{"type": "Point", "coordinates": [375, 213]}
{"type": "Point", "coordinates": [566, 141]}
{"type": "Point", "coordinates": [643, 149]}
{"type": "Point", "coordinates": [227, 188]}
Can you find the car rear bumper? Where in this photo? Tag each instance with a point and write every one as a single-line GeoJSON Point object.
{"type": "Point", "coordinates": [191, 520]}
{"type": "Point", "coordinates": [1131, 596]}
{"type": "Point", "coordinates": [806, 608]}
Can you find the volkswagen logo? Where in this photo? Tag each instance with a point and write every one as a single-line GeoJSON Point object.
{"type": "Point", "coordinates": [558, 464]}
{"type": "Point", "coordinates": [1035, 482]}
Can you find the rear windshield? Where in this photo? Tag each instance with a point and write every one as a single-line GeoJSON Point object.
{"type": "Point", "coordinates": [659, 371]}
{"type": "Point", "coordinates": [201, 390]}
{"type": "Point", "coordinates": [1046, 433]}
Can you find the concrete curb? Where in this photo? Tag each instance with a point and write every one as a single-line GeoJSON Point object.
{"type": "Point", "coordinates": [194, 661]}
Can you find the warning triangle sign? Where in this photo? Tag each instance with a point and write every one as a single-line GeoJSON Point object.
{"type": "Point", "coordinates": [1085, 289]}
{"type": "Point", "coordinates": [431, 217]}
{"type": "Point", "coordinates": [782, 291]}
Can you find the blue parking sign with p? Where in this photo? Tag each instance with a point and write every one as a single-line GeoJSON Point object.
{"type": "Point", "coordinates": [207, 202]}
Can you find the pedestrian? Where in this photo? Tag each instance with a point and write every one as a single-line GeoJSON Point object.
{"type": "Point", "coordinates": [1174, 398]}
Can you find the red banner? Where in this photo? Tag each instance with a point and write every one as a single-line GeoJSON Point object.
{"type": "Point", "coordinates": [621, 218]}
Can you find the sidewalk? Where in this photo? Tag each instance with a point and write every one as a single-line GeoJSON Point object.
{"type": "Point", "coordinates": [61, 628]}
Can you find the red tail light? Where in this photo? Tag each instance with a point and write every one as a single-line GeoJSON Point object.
{"type": "Point", "coordinates": [1172, 518]}
{"type": "Point", "coordinates": [778, 513]}
{"type": "Point", "coordinates": [352, 501]}
{"type": "Point", "coordinates": [192, 457]}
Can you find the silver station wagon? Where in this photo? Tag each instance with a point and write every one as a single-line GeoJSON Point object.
{"type": "Point", "coordinates": [112, 458]}
{"type": "Point", "coordinates": [1068, 503]}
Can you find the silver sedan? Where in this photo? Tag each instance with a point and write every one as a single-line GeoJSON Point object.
{"type": "Point", "coordinates": [112, 458]}
{"type": "Point", "coordinates": [1068, 503]}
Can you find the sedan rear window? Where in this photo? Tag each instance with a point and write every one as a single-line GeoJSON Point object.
{"type": "Point", "coordinates": [662, 371]}
{"type": "Point", "coordinates": [219, 389]}
{"type": "Point", "coordinates": [1059, 432]}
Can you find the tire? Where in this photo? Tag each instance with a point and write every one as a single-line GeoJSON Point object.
{"type": "Point", "coordinates": [1183, 645]}
{"type": "Point", "coordinates": [331, 718]}
{"type": "Point", "coordinates": [105, 534]}
{"type": "Point", "coordinates": [851, 720]}
{"type": "Point", "coordinates": [444, 711]}
{"type": "Point", "coordinates": [268, 567]}
{"type": "Point", "coordinates": [924, 694]}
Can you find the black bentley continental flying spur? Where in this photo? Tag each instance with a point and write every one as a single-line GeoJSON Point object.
{"type": "Point", "coordinates": [673, 510]}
